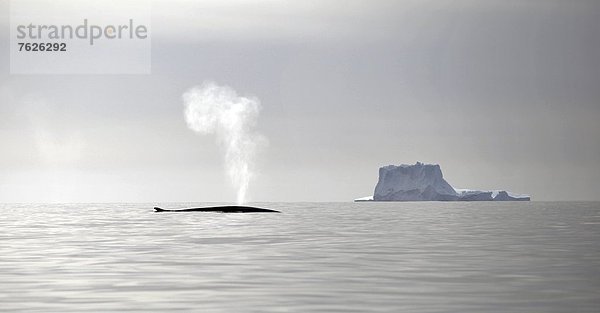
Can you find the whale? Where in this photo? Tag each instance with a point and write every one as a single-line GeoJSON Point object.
{"type": "Point", "coordinates": [221, 209]}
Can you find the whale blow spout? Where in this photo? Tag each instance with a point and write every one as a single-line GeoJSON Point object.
{"type": "Point", "coordinates": [222, 209]}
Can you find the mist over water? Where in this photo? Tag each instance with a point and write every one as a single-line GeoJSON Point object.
{"type": "Point", "coordinates": [218, 110]}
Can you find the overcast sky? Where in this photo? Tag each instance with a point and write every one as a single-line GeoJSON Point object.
{"type": "Point", "coordinates": [502, 94]}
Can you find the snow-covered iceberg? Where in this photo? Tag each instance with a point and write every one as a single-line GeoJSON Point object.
{"type": "Point", "coordinates": [425, 182]}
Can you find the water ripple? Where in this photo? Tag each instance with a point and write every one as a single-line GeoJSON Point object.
{"type": "Point", "coordinates": [314, 257]}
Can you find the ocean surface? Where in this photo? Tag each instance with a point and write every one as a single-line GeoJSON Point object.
{"type": "Point", "coordinates": [313, 257]}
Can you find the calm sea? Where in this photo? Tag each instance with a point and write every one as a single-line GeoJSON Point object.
{"type": "Point", "coordinates": [314, 257]}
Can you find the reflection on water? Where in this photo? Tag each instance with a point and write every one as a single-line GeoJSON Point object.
{"type": "Point", "coordinates": [319, 257]}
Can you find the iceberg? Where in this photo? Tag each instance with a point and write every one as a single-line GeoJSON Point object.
{"type": "Point", "coordinates": [363, 199]}
{"type": "Point", "coordinates": [425, 182]}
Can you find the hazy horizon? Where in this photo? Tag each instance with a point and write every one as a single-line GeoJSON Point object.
{"type": "Point", "coordinates": [501, 94]}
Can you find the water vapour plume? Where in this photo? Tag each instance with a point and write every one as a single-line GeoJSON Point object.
{"type": "Point", "coordinates": [218, 110]}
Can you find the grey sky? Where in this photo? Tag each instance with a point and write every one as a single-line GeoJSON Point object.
{"type": "Point", "coordinates": [502, 94]}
